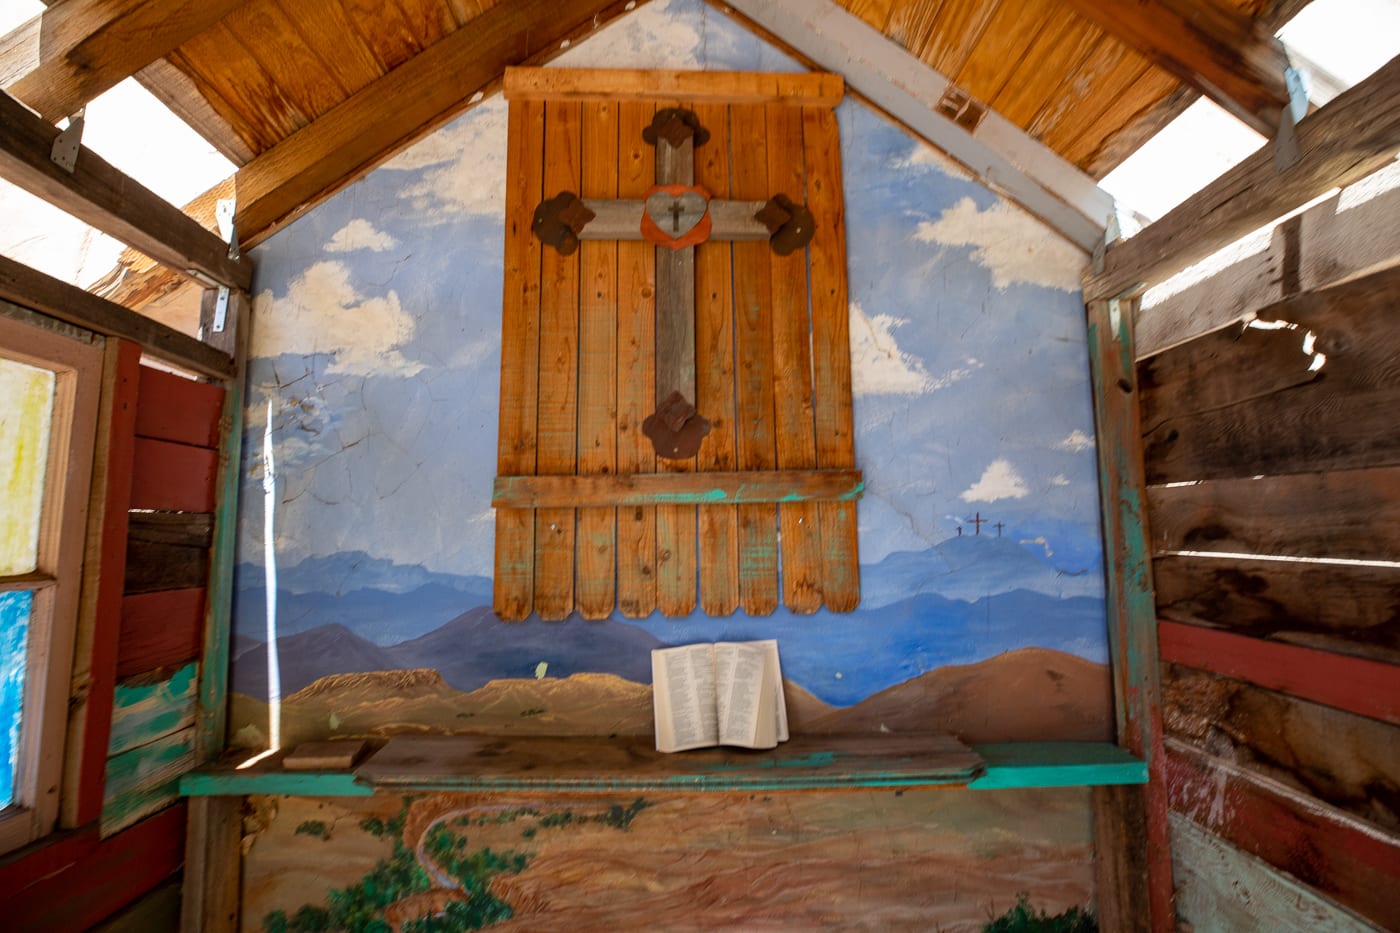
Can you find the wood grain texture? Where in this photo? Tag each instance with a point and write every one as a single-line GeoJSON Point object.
{"type": "Point", "coordinates": [596, 587]}
{"type": "Point", "coordinates": [182, 96]}
{"type": "Point", "coordinates": [514, 577]}
{"type": "Point", "coordinates": [731, 487]}
{"type": "Point", "coordinates": [833, 418]}
{"type": "Point", "coordinates": [104, 197]}
{"type": "Point", "coordinates": [714, 375]}
{"type": "Point", "coordinates": [173, 477]}
{"type": "Point", "coordinates": [145, 779]}
{"type": "Point", "coordinates": [1352, 610]}
{"type": "Point", "coordinates": [276, 45]}
{"type": "Point", "coordinates": [1347, 760]}
{"type": "Point", "coordinates": [213, 866]}
{"type": "Point", "coordinates": [99, 618]}
{"type": "Point", "coordinates": [1352, 514]}
{"type": "Point", "coordinates": [800, 539]}
{"type": "Point", "coordinates": [178, 409]}
{"type": "Point", "coordinates": [1121, 869]}
{"type": "Point", "coordinates": [754, 402]}
{"type": "Point", "coordinates": [1355, 134]}
{"type": "Point", "coordinates": [110, 874]}
{"type": "Point", "coordinates": [556, 452]}
{"type": "Point", "coordinates": [688, 87]}
{"type": "Point", "coordinates": [168, 554]}
{"type": "Point", "coordinates": [1246, 402]}
{"type": "Point", "coordinates": [159, 630]}
{"type": "Point", "coordinates": [1348, 860]}
{"type": "Point", "coordinates": [1059, 48]}
{"type": "Point", "coordinates": [148, 708]}
{"type": "Point", "coordinates": [636, 343]}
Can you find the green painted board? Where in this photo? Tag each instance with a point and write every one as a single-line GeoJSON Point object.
{"type": "Point", "coordinates": [144, 712]}
{"type": "Point", "coordinates": [1057, 764]}
{"type": "Point", "coordinates": [145, 779]}
{"type": "Point", "coordinates": [217, 783]}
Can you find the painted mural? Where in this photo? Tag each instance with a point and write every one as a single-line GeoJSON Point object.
{"type": "Point", "coordinates": [365, 552]}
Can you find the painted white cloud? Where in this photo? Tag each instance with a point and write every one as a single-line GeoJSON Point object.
{"type": "Point", "coordinates": [880, 367]}
{"type": "Point", "coordinates": [1012, 245]}
{"type": "Point", "coordinates": [999, 481]}
{"type": "Point", "coordinates": [463, 166]}
{"type": "Point", "coordinates": [360, 234]}
{"type": "Point", "coordinates": [649, 37]}
{"type": "Point", "coordinates": [1077, 441]}
{"type": "Point", "coordinates": [923, 157]}
{"type": "Point", "coordinates": [1059, 479]}
{"type": "Point", "coordinates": [323, 313]}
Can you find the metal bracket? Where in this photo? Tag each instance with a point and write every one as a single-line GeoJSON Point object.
{"type": "Point", "coordinates": [1112, 232]}
{"type": "Point", "coordinates": [1286, 151]}
{"type": "Point", "coordinates": [68, 143]}
{"type": "Point", "coordinates": [221, 310]}
{"type": "Point", "coordinates": [224, 213]}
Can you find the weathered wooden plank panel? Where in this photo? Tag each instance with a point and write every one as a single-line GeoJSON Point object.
{"type": "Point", "coordinates": [145, 708]}
{"type": "Point", "coordinates": [213, 865]}
{"type": "Point", "coordinates": [753, 341]}
{"type": "Point", "coordinates": [145, 779]}
{"type": "Point", "coordinates": [173, 477]}
{"type": "Point", "coordinates": [800, 539]}
{"type": "Point", "coordinates": [1349, 860]}
{"type": "Point", "coordinates": [1349, 761]}
{"type": "Point", "coordinates": [108, 876]}
{"type": "Point", "coordinates": [1353, 610]}
{"type": "Point", "coordinates": [1318, 392]}
{"type": "Point", "coordinates": [514, 579]}
{"type": "Point", "coordinates": [167, 551]}
{"type": "Point", "coordinates": [1121, 871]}
{"type": "Point", "coordinates": [833, 418]}
{"type": "Point", "coordinates": [679, 488]}
{"type": "Point", "coordinates": [597, 363]}
{"type": "Point", "coordinates": [714, 374]}
{"type": "Point", "coordinates": [1221, 889]}
{"type": "Point", "coordinates": [1279, 515]}
{"type": "Point", "coordinates": [558, 372]}
{"type": "Point", "coordinates": [177, 409]}
{"type": "Point", "coordinates": [160, 630]}
{"type": "Point", "coordinates": [689, 87]}
{"type": "Point", "coordinates": [636, 347]}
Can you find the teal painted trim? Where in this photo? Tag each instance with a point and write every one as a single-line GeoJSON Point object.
{"type": "Point", "coordinates": [712, 783]}
{"type": "Point", "coordinates": [1057, 764]}
{"type": "Point", "coordinates": [145, 779]}
{"type": "Point", "coordinates": [142, 713]}
{"type": "Point", "coordinates": [280, 783]}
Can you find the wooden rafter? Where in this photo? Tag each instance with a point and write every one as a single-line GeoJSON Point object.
{"type": "Point", "coordinates": [995, 150]}
{"type": "Point", "coordinates": [106, 198]}
{"type": "Point", "coordinates": [67, 55]}
{"type": "Point", "coordinates": [1212, 47]}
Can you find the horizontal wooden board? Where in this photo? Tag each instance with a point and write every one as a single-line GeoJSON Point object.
{"type": "Point", "coordinates": [173, 477]}
{"type": "Point", "coordinates": [148, 708]}
{"type": "Point", "coordinates": [110, 875]}
{"type": "Point", "coordinates": [1358, 685]}
{"type": "Point", "coordinates": [1351, 861]}
{"type": "Point", "coordinates": [1317, 392]}
{"type": "Point", "coordinates": [678, 488]}
{"type": "Point", "coordinates": [185, 529]}
{"type": "Point", "coordinates": [145, 779]}
{"type": "Point", "coordinates": [1349, 761]}
{"type": "Point", "coordinates": [159, 630]}
{"type": "Point", "coordinates": [631, 763]}
{"type": "Point", "coordinates": [172, 408]}
{"type": "Point", "coordinates": [720, 87]}
{"type": "Point", "coordinates": [1353, 514]}
{"type": "Point", "coordinates": [1057, 764]}
{"type": "Point", "coordinates": [1222, 889]}
{"type": "Point", "coordinates": [167, 551]}
{"type": "Point", "coordinates": [156, 912]}
{"type": "Point", "coordinates": [1352, 610]}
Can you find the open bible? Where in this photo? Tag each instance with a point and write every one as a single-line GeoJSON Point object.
{"type": "Point", "coordinates": [726, 693]}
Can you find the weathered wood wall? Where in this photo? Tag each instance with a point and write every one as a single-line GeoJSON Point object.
{"type": "Point", "coordinates": [1273, 472]}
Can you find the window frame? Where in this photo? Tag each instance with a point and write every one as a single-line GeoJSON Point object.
{"type": "Point", "coordinates": [76, 360]}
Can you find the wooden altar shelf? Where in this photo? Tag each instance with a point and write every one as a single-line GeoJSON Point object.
{"type": "Point", "coordinates": [540, 492]}
{"type": "Point", "coordinates": [484, 764]}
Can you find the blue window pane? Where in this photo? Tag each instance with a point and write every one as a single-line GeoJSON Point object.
{"type": "Point", "coordinates": [14, 641]}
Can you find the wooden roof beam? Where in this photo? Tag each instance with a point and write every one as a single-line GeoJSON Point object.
{"type": "Point", "coordinates": [1210, 46]}
{"type": "Point", "coordinates": [69, 54]}
{"type": "Point", "coordinates": [996, 151]}
{"type": "Point", "coordinates": [103, 197]}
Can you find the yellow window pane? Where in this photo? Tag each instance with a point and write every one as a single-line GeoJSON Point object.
{"type": "Point", "coordinates": [26, 413]}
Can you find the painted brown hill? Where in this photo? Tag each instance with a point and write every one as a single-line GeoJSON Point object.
{"type": "Point", "coordinates": [1031, 694]}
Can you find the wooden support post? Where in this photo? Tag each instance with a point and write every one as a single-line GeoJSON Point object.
{"type": "Point", "coordinates": [1132, 630]}
{"type": "Point", "coordinates": [213, 862]}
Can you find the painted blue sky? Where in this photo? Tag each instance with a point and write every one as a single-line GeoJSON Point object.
{"type": "Point", "coordinates": [376, 344]}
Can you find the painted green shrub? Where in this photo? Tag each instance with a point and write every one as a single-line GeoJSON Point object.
{"type": "Point", "coordinates": [1023, 918]}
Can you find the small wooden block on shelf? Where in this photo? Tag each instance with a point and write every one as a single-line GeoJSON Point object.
{"type": "Point", "coordinates": [631, 764]}
{"type": "Point", "coordinates": [332, 755]}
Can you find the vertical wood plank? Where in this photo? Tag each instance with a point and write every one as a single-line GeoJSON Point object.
{"type": "Point", "coordinates": [99, 617]}
{"type": "Point", "coordinates": [520, 328]}
{"type": "Point", "coordinates": [831, 354]}
{"type": "Point", "coordinates": [714, 375]}
{"type": "Point", "coordinates": [1120, 859]}
{"type": "Point", "coordinates": [636, 339]}
{"type": "Point", "coordinates": [597, 402]}
{"type": "Point", "coordinates": [558, 372]}
{"type": "Point", "coordinates": [800, 533]}
{"type": "Point", "coordinates": [213, 863]}
{"type": "Point", "coordinates": [753, 341]}
{"type": "Point", "coordinates": [1132, 619]}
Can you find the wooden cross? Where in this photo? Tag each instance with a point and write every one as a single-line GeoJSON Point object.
{"type": "Point", "coordinates": [999, 526]}
{"type": "Point", "coordinates": [676, 429]}
{"type": "Point", "coordinates": [978, 521]}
